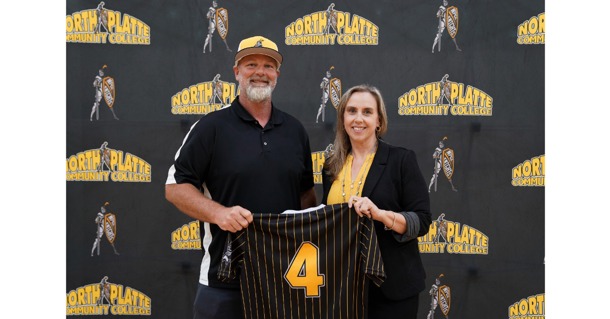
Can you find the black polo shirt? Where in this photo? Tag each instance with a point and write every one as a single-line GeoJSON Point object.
{"type": "Point", "coordinates": [264, 170]}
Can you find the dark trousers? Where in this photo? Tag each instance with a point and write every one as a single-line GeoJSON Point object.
{"type": "Point", "coordinates": [221, 303]}
{"type": "Point", "coordinates": [380, 307]}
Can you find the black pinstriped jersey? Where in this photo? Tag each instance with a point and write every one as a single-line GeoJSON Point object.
{"type": "Point", "coordinates": [311, 264]}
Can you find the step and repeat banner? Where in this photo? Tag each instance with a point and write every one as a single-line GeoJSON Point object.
{"type": "Point", "coordinates": [463, 82]}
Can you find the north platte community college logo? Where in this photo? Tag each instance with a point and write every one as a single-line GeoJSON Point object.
{"type": "Point", "coordinates": [101, 25]}
{"type": "Point", "coordinates": [530, 172]}
{"type": "Point", "coordinates": [445, 97]}
{"type": "Point", "coordinates": [531, 31]}
{"type": "Point", "coordinates": [332, 27]}
{"type": "Point", "coordinates": [531, 307]}
{"type": "Point", "coordinates": [187, 237]}
{"type": "Point", "coordinates": [203, 98]}
{"type": "Point", "coordinates": [106, 298]}
{"type": "Point", "coordinates": [105, 164]}
{"type": "Point", "coordinates": [317, 161]}
{"type": "Point", "coordinates": [450, 237]}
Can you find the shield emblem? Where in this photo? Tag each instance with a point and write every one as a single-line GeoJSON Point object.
{"type": "Point", "coordinates": [108, 90]}
{"type": "Point", "coordinates": [335, 92]}
{"type": "Point", "coordinates": [444, 299]}
{"type": "Point", "coordinates": [110, 227]}
{"type": "Point", "coordinates": [448, 160]}
{"type": "Point", "coordinates": [452, 21]}
{"type": "Point", "coordinates": [222, 22]}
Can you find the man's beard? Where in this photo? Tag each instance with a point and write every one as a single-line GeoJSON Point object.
{"type": "Point", "coordinates": [259, 94]}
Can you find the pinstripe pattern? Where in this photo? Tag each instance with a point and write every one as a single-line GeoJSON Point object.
{"type": "Point", "coordinates": [347, 254]}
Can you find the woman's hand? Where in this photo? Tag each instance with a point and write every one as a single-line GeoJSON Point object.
{"type": "Point", "coordinates": [364, 207]}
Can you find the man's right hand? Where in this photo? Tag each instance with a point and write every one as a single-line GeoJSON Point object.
{"type": "Point", "coordinates": [234, 218]}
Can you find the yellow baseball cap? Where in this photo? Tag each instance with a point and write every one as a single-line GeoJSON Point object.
{"type": "Point", "coordinates": [258, 45]}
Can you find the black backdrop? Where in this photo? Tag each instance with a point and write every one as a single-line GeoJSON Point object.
{"type": "Point", "coordinates": [487, 148]}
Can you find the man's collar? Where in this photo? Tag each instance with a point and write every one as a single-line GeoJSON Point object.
{"type": "Point", "coordinates": [240, 110]}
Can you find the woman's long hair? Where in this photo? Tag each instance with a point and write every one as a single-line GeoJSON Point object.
{"type": "Point", "coordinates": [342, 145]}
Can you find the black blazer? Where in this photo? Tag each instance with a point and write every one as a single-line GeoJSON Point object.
{"type": "Point", "coordinates": [395, 183]}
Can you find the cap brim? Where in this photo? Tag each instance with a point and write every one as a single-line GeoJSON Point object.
{"type": "Point", "coordinates": [261, 50]}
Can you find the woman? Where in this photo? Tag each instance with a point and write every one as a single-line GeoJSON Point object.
{"type": "Point", "coordinates": [382, 182]}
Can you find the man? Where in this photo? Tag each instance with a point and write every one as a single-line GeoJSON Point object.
{"type": "Point", "coordinates": [245, 159]}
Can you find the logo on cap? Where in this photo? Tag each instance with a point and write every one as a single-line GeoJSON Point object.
{"type": "Point", "coordinates": [258, 45]}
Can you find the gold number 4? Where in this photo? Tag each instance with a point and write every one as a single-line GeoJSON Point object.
{"type": "Point", "coordinates": [304, 270]}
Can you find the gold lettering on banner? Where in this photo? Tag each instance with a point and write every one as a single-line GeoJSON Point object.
{"type": "Point", "coordinates": [102, 25]}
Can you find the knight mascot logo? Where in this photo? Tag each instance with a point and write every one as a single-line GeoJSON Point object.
{"type": "Point", "coordinates": [106, 225]}
{"type": "Point", "coordinates": [104, 88]}
{"type": "Point", "coordinates": [218, 19]}
{"type": "Point", "coordinates": [440, 296]}
{"type": "Point", "coordinates": [331, 88]}
{"type": "Point", "coordinates": [444, 158]}
{"type": "Point", "coordinates": [449, 18]}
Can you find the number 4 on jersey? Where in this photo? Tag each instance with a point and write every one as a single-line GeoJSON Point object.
{"type": "Point", "coordinates": [304, 270]}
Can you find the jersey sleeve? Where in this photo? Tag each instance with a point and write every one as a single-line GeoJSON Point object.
{"type": "Point", "coordinates": [231, 257]}
{"type": "Point", "coordinates": [371, 260]}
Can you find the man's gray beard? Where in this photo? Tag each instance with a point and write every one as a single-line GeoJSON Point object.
{"type": "Point", "coordinates": [259, 94]}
